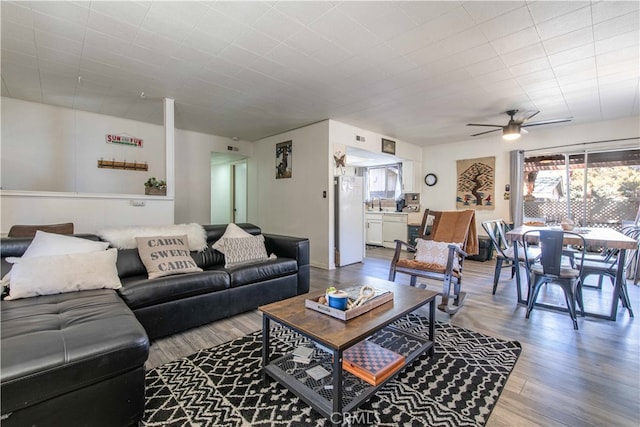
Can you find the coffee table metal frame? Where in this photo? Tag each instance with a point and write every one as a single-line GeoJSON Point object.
{"type": "Point", "coordinates": [336, 405]}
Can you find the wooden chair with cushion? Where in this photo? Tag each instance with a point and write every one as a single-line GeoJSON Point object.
{"type": "Point", "coordinates": [439, 254]}
{"type": "Point", "coordinates": [30, 230]}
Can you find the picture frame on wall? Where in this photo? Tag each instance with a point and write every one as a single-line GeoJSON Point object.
{"type": "Point", "coordinates": [388, 146]}
{"type": "Point", "coordinates": [284, 159]}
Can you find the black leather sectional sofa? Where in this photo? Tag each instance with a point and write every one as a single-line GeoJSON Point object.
{"type": "Point", "coordinates": [78, 358]}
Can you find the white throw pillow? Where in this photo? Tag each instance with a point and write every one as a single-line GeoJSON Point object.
{"type": "Point", "coordinates": [433, 252]}
{"type": "Point", "coordinates": [166, 255]}
{"type": "Point", "coordinates": [232, 231]}
{"type": "Point", "coordinates": [244, 250]}
{"type": "Point", "coordinates": [55, 274]}
{"type": "Point", "coordinates": [45, 244]}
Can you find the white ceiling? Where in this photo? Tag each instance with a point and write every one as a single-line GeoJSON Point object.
{"type": "Point", "coordinates": [412, 70]}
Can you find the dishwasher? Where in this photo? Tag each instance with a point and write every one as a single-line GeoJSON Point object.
{"type": "Point", "coordinates": [394, 227]}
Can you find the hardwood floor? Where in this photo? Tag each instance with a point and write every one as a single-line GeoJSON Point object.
{"type": "Point", "coordinates": [589, 377]}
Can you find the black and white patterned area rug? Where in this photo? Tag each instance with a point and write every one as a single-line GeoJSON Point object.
{"type": "Point", "coordinates": [222, 386]}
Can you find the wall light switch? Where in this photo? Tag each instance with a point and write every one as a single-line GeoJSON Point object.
{"type": "Point", "coordinates": [138, 203]}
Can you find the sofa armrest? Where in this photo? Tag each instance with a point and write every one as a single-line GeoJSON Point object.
{"type": "Point", "coordinates": [292, 247]}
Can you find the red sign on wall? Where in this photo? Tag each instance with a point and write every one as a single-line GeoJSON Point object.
{"type": "Point", "coordinates": [123, 139]}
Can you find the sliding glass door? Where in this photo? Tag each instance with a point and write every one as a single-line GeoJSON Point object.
{"type": "Point", "coordinates": [594, 189]}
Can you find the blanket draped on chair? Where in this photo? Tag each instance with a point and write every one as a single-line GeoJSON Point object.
{"type": "Point", "coordinates": [458, 227]}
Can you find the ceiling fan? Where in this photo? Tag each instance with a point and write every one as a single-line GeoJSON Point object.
{"type": "Point", "coordinates": [513, 129]}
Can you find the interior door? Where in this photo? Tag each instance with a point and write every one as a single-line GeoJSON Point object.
{"type": "Point", "coordinates": [239, 192]}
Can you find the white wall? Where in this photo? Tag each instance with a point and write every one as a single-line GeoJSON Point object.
{"type": "Point", "coordinates": [49, 169]}
{"type": "Point", "coordinates": [295, 206]}
{"type": "Point", "coordinates": [345, 134]}
{"type": "Point", "coordinates": [88, 212]}
{"type": "Point", "coordinates": [48, 148]}
{"type": "Point", "coordinates": [65, 184]}
{"type": "Point", "coordinates": [441, 159]}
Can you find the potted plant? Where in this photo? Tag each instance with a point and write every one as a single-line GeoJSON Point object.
{"type": "Point", "coordinates": [155, 187]}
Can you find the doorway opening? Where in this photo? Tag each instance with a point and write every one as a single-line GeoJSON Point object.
{"type": "Point", "coordinates": [228, 188]}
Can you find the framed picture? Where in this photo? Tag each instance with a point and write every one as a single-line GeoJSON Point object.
{"type": "Point", "coordinates": [284, 159]}
{"type": "Point", "coordinates": [388, 146]}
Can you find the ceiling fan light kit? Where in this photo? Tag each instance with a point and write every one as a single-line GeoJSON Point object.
{"type": "Point", "coordinates": [513, 129]}
{"type": "Point", "coordinates": [511, 132]}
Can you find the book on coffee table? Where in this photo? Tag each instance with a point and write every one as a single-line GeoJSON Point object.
{"type": "Point", "coordinates": [371, 362]}
{"type": "Point", "coordinates": [302, 354]}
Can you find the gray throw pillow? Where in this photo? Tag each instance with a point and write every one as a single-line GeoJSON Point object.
{"type": "Point", "coordinates": [243, 250]}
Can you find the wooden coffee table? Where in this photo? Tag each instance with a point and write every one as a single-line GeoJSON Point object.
{"type": "Point", "coordinates": [329, 396]}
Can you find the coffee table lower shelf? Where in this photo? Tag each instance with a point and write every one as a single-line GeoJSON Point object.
{"type": "Point", "coordinates": [319, 394]}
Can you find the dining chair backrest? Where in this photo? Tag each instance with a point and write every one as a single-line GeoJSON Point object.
{"type": "Point", "coordinates": [552, 249]}
{"type": "Point", "coordinates": [632, 231]}
{"type": "Point", "coordinates": [609, 255]}
{"type": "Point", "coordinates": [551, 242]}
{"type": "Point", "coordinates": [633, 259]}
{"type": "Point", "coordinates": [496, 229]}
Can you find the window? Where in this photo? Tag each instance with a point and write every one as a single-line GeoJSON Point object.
{"type": "Point", "coordinates": [591, 188]}
{"type": "Point", "coordinates": [383, 182]}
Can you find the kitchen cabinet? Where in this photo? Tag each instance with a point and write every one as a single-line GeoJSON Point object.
{"type": "Point", "coordinates": [373, 228]}
{"type": "Point", "coordinates": [394, 227]}
{"type": "Point", "coordinates": [407, 177]}
{"type": "Point", "coordinates": [411, 176]}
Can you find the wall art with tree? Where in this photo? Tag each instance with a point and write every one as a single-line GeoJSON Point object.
{"type": "Point", "coordinates": [476, 183]}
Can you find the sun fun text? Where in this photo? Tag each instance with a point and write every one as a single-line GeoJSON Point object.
{"type": "Point", "coordinates": [170, 253]}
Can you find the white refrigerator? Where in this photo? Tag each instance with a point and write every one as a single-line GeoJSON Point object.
{"type": "Point", "coordinates": [349, 220]}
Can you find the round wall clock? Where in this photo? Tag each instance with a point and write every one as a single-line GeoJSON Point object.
{"type": "Point", "coordinates": [430, 179]}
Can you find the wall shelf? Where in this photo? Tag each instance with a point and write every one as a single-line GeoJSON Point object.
{"type": "Point", "coordinates": [113, 164]}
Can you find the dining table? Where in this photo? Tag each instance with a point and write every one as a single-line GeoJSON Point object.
{"type": "Point", "coordinates": [593, 236]}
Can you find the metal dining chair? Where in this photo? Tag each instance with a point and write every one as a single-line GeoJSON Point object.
{"type": "Point", "coordinates": [496, 230]}
{"type": "Point", "coordinates": [554, 267]}
{"type": "Point", "coordinates": [606, 265]}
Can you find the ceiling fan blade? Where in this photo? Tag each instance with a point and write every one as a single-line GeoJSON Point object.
{"type": "Point", "coordinates": [527, 119]}
{"type": "Point", "coordinates": [547, 122]}
{"type": "Point", "coordinates": [479, 124]}
{"type": "Point", "coordinates": [489, 131]}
